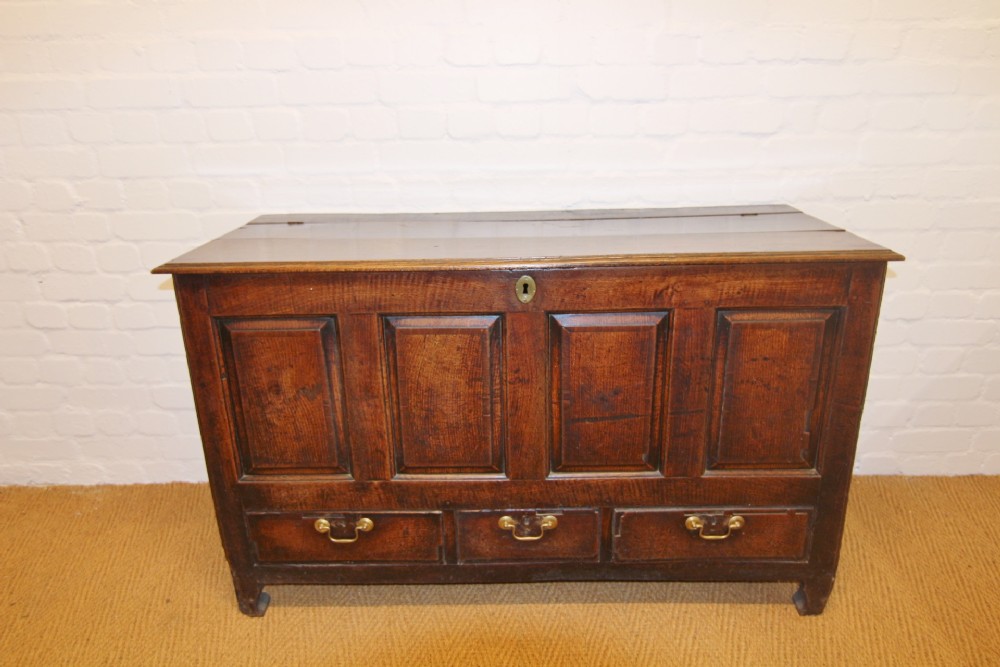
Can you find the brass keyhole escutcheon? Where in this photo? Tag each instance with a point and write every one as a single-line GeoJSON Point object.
{"type": "Point", "coordinates": [525, 289]}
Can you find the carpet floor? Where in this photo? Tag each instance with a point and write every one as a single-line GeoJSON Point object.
{"type": "Point", "coordinates": [135, 575]}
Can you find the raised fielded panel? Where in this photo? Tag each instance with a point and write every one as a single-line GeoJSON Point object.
{"type": "Point", "coordinates": [608, 375]}
{"type": "Point", "coordinates": [772, 368]}
{"type": "Point", "coordinates": [446, 393]}
{"type": "Point", "coordinates": [286, 391]}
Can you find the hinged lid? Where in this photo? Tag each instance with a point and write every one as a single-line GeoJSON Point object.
{"type": "Point", "coordinates": [620, 237]}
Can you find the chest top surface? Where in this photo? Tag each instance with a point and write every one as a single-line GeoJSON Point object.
{"type": "Point", "coordinates": [614, 237]}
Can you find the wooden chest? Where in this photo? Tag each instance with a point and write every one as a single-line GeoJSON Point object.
{"type": "Point", "coordinates": [572, 395]}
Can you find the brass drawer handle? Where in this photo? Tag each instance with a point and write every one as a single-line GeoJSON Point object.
{"type": "Point", "coordinates": [548, 522]}
{"type": "Point", "coordinates": [362, 525]}
{"type": "Point", "coordinates": [694, 523]}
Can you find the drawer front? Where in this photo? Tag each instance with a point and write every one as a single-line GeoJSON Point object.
{"type": "Point", "coordinates": [699, 534]}
{"type": "Point", "coordinates": [347, 537]}
{"type": "Point", "coordinates": [528, 535]}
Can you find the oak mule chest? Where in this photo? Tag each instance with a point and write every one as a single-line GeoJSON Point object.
{"type": "Point", "coordinates": [655, 394]}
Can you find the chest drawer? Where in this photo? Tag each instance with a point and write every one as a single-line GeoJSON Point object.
{"type": "Point", "coordinates": [699, 534]}
{"type": "Point", "coordinates": [528, 535]}
{"type": "Point", "coordinates": [380, 537]}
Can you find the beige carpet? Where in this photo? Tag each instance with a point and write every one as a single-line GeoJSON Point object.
{"type": "Point", "coordinates": [135, 575]}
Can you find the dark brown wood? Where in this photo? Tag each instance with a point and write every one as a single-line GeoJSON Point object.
{"type": "Point", "coordinates": [201, 344]}
{"type": "Point", "coordinates": [841, 433]}
{"type": "Point", "coordinates": [651, 535]}
{"type": "Point", "coordinates": [365, 380]}
{"type": "Point", "coordinates": [608, 372]}
{"type": "Point", "coordinates": [469, 492]}
{"type": "Point", "coordinates": [526, 389]}
{"type": "Point", "coordinates": [559, 290]}
{"type": "Point", "coordinates": [284, 379]}
{"type": "Point", "coordinates": [575, 538]}
{"type": "Point", "coordinates": [395, 537]}
{"type": "Point", "coordinates": [446, 394]}
{"type": "Point", "coordinates": [671, 363]}
{"type": "Point", "coordinates": [812, 594]}
{"type": "Point", "coordinates": [771, 376]}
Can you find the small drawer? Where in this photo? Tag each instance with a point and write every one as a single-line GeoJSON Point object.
{"type": "Point", "coordinates": [528, 535]}
{"type": "Point", "coordinates": [318, 537]}
{"type": "Point", "coordinates": [699, 534]}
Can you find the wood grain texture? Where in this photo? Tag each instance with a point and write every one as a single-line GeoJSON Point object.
{"type": "Point", "coordinates": [840, 438]}
{"type": "Point", "coordinates": [771, 387]}
{"type": "Point", "coordinates": [655, 535]}
{"type": "Point", "coordinates": [365, 380]}
{"type": "Point", "coordinates": [307, 493]}
{"type": "Point", "coordinates": [349, 242]}
{"type": "Point", "coordinates": [608, 385]}
{"type": "Point", "coordinates": [216, 426]}
{"type": "Point", "coordinates": [626, 393]}
{"type": "Point", "coordinates": [395, 537]}
{"type": "Point", "coordinates": [445, 385]}
{"type": "Point", "coordinates": [558, 290]}
{"type": "Point", "coordinates": [576, 537]}
{"type": "Point", "coordinates": [284, 377]}
{"type": "Point", "coordinates": [526, 395]}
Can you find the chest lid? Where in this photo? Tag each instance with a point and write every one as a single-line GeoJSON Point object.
{"type": "Point", "coordinates": [615, 237]}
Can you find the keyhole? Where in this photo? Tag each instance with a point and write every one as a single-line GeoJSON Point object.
{"type": "Point", "coordinates": [525, 289]}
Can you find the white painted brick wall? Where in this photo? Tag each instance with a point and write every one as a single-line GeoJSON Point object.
{"type": "Point", "coordinates": [133, 131]}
